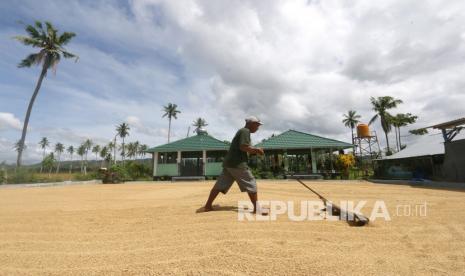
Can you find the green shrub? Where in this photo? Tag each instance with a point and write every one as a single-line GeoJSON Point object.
{"type": "Point", "coordinates": [22, 176]}
{"type": "Point", "coordinates": [137, 171]}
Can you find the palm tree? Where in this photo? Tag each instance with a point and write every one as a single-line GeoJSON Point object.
{"type": "Point", "coordinates": [19, 146]}
{"type": "Point", "coordinates": [44, 143]}
{"type": "Point", "coordinates": [70, 150]}
{"type": "Point", "coordinates": [351, 119]}
{"type": "Point", "coordinates": [103, 154]}
{"type": "Point", "coordinates": [108, 158]}
{"type": "Point", "coordinates": [142, 151]}
{"type": "Point", "coordinates": [123, 131]}
{"type": "Point", "coordinates": [134, 150]}
{"type": "Point", "coordinates": [87, 146]}
{"type": "Point", "coordinates": [399, 121]}
{"type": "Point", "coordinates": [111, 147]}
{"type": "Point", "coordinates": [419, 131]}
{"type": "Point", "coordinates": [59, 148]}
{"type": "Point", "coordinates": [96, 150]}
{"type": "Point", "coordinates": [51, 49]}
{"type": "Point", "coordinates": [81, 151]}
{"type": "Point", "coordinates": [380, 106]}
{"type": "Point", "coordinates": [48, 162]}
{"type": "Point", "coordinates": [170, 111]}
{"type": "Point", "coordinates": [130, 150]}
{"type": "Point", "coordinates": [199, 123]}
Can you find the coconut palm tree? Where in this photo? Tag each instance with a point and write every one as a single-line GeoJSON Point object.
{"type": "Point", "coordinates": [19, 146]}
{"type": "Point", "coordinates": [136, 146]}
{"type": "Point", "coordinates": [81, 151]}
{"type": "Point", "coordinates": [96, 150]}
{"type": "Point", "coordinates": [199, 123]}
{"type": "Point", "coordinates": [400, 120]}
{"type": "Point", "coordinates": [44, 143]}
{"type": "Point", "coordinates": [142, 151]}
{"type": "Point", "coordinates": [170, 112]}
{"type": "Point", "coordinates": [111, 147]}
{"type": "Point", "coordinates": [123, 130]}
{"type": "Point", "coordinates": [381, 105]}
{"type": "Point", "coordinates": [48, 162]}
{"type": "Point", "coordinates": [59, 148]}
{"type": "Point", "coordinates": [87, 146]}
{"type": "Point", "coordinates": [123, 148]}
{"type": "Point", "coordinates": [50, 43]}
{"type": "Point", "coordinates": [70, 150]}
{"type": "Point", "coordinates": [103, 154]}
{"type": "Point", "coordinates": [130, 149]}
{"type": "Point", "coordinates": [419, 131]}
{"type": "Point", "coordinates": [351, 119]}
{"type": "Point", "coordinates": [108, 158]}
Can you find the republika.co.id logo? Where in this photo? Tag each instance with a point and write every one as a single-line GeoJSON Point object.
{"type": "Point", "coordinates": [317, 210]}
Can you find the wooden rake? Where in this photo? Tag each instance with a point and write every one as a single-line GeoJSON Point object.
{"type": "Point", "coordinates": [353, 219]}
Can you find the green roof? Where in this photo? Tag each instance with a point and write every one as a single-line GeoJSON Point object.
{"type": "Point", "coordinates": [292, 139]}
{"type": "Point", "coordinates": [198, 142]}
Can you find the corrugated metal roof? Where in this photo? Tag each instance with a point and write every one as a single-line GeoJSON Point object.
{"type": "Point", "coordinates": [194, 143]}
{"type": "Point", "coordinates": [450, 124]}
{"type": "Point", "coordinates": [424, 146]}
{"type": "Point", "coordinates": [293, 139]}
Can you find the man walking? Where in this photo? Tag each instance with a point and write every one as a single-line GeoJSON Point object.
{"type": "Point", "coordinates": [235, 166]}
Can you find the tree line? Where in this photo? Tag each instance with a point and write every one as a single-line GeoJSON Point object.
{"type": "Point", "coordinates": [388, 121]}
{"type": "Point", "coordinates": [106, 154]}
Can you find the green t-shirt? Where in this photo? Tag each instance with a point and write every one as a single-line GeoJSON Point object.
{"type": "Point", "coordinates": [236, 158]}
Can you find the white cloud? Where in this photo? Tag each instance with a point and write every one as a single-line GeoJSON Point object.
{"type": "Point", "coordinates": [295, 64]}
{"type": "Point", "coordinates": [8, 120]}
{"type": "Point", "coordinates": [32, 154]}
{"type": "Point", "coordinates": [136, 124]}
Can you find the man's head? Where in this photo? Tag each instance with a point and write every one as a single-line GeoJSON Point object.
{"type": "Point", "coordinates": [252, 123]}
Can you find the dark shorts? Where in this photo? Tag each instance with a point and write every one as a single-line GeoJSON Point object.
{"type": "Point", "coordinates": [243, 177]}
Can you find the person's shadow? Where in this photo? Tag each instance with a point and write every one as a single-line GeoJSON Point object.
{"type": "Point", "coordinates": [217, 208]}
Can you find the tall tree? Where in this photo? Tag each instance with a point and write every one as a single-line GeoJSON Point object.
{"type": "Point", "coordinates": [50, 45]}
{"type": "Point", "coordinates": [87, 146]}
{"type": "Point", "coordinates": [351, 119]}
{"type": "Point", "coordinates": [111, 147]}
{"type": "Point", "coordinates": [381, 105]}
{"type": "Point", "coordinates": [44, 143]}
{"type": "Point", "coordinates": [123, 130]}
{"type": "Point", "coordinates": [81, 151]}
{"type": "Point", "coordinates": [401, 120]}
{"type": "Point", "coordinates": [131, 150]}
{"type": "Point", "coordinates": [59, 148]}
{"type": "Point", "coordinates": [142, 151]}
{"type": "Point", "coordinates": [19, 146]}
{"type": "Point", "coordinates": [136, 149]}
{"type": "Point", "coordinates": [70, 150]}
{"type": "Point", "coordinates": [103, 154]}
{"type": "Point", "coordinates": [170, 112]}
{"type": "Point", "coordinates": [96, 150]}
{"type": "Point", "coordinates": [49, 162]}
{"type": "Point", "coordinates": [199, 123]}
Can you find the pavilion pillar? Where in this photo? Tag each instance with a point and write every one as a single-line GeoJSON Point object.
{"type": "Point", "coordinates": [178, 161]}
{"type": "Point", "coordinates": [285, 162]}
{"type": "Point", "coordinates": [331, 159]}
{"type": "Point", "coordinates": [313, 156]}
{"type": "Point", "coordinates": [204, 162]}
{"type": "Point", "coordinates": [155, 163]}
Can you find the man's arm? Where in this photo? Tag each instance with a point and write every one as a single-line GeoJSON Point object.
{"type": "Point", "coordinates": [251, 150]}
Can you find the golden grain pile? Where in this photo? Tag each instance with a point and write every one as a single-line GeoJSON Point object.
{"type": "Point", "coordinates": [153, 229]}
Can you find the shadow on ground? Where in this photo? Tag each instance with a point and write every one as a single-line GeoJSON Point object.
{"type": "Point", "coordinates": [217, 208]}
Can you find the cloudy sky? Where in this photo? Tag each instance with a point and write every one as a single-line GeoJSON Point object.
{"type": "Point", "coordinates": [294, 64]}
